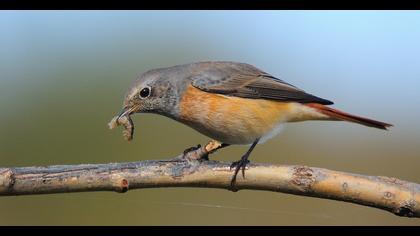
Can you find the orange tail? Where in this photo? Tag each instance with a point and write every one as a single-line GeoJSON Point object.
{"type": "Point", "coordinates": [339, 115]}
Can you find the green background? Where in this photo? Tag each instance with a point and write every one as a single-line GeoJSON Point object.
{"type": "Point", "coordinates": [64, 74]}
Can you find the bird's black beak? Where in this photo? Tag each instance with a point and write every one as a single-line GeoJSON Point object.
{"type": "Point", "coordinates": [125, 111]}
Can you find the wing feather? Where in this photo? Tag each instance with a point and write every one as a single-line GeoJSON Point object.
{"type": "Point", "coordinates": [243, 80]}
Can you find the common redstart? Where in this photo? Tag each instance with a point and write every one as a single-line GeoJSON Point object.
{"type": "Point", "coordinates": [230, 102]}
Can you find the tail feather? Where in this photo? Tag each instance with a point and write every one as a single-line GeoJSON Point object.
{"type": "Point", "coordinates": [340, 115]}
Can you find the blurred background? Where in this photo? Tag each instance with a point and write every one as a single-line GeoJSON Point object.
{"type": "Point", "coordinates": [64, 74]}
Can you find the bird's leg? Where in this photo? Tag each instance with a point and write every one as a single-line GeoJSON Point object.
{"type": "Point", "coordinates": [241, 164]}
{"type": "Point", "coordinates": [203, 154]}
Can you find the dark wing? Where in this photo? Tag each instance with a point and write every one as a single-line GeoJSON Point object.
{"type": "Point", "coordinates": [243, 80]}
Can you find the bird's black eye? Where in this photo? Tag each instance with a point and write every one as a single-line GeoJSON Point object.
{"type": "Point", "coordinates": [145, 92]}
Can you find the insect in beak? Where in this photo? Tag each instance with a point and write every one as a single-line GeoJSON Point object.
{"type": "Point", "coordinates": [124, 119]}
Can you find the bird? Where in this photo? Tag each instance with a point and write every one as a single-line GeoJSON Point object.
{"type": "Point", "coordinates": [233, 103]}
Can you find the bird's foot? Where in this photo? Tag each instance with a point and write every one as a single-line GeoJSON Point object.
{"type": "Point", "coordinates": [241, 164]}
{"type": "Point", "coordinates": [238, 165]}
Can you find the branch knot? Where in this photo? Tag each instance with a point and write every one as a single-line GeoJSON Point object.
{"type": "Point", "coordinates": [303, 177]}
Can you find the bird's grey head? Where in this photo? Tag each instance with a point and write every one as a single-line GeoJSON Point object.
{"type": "Point", "coordinates": [152, 92]}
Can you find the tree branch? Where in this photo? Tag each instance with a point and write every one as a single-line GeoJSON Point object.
{"type": "Point", "coordinates": [192, 170]}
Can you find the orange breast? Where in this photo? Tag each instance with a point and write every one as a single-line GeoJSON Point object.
{"type": "Point", "coordinates": [231, 120]}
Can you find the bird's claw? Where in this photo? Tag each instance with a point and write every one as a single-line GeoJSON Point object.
{"type": "Point", "coordinates": [239, 165]}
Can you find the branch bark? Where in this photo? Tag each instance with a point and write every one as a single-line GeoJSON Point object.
{"type": "Point", "coordinates": [192, 170]}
